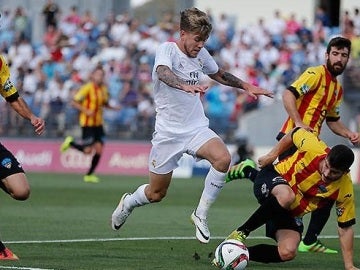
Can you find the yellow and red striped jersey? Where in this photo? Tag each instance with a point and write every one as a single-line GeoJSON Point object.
{"type": "Point", "coordinates": [301, 170]}
{"type": "Point", "coordinates": [7, 88]}
{"type": "Point", "coordinates": [92, 97]}
{"type": "Point", "coordinates": [318, 97]}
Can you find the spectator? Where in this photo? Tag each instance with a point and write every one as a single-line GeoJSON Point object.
{"type": "Point", "coordinates": [71, 22]}
{"type": "Point", "coordinates": [304, 33]}
{"type": "Point", "coordinates": [30, 86]}
{"type": "Point", "coordinates": [57, 97]}
{"type": "Point", "coordinates": [128, 100]}
{"type": "Point", "coordinates": [217, 107]}
{"type": "Point", "coordinates": [276, 27]}
{"type": "Point", "coordinates": [322, 16]}
{"type": "Point", "coordinates": [88, 20]}
{"type": "Point", "coordinates": [50, 12]}
{"type": "Point", "coordinates": [21, 24]}
{"type": "Point", "coordinates": [356, 20]}
{"type": "Point", "coordinates": [146, 110]}
{"type": "Point", "coordinates": [7, 29]}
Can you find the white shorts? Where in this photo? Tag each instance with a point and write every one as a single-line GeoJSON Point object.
{"type": "Point", "coordinates": [167, 150]}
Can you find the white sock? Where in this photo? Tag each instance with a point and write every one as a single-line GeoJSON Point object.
{"type": "Point", "coordinates": [136, 199]}
{"type": "Point", "coordinates": [214, 182]}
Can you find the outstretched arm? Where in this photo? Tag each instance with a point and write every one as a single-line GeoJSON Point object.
{"type": "Point", "coordinates": [346, 237]}
{"type": "Point", "coordinates": [229, 79]}
{"type": "Point", "coordinates": [20, 106]}
{"type": "Point", "coordinates": [340, 129]}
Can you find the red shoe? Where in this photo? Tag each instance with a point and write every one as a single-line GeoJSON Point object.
{"type": "Point", "coordinates": [7, 254]}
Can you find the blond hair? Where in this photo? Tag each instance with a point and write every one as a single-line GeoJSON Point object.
{"type": "Point", "coordinates": [195, 21]}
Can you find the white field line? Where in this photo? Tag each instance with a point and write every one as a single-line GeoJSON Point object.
{"type": "Point", "coordinates": [139, 239]}
{"type": "Point", "coordinates": [120, 239]}
{"type": "Point", "coordinates": [22, 268]}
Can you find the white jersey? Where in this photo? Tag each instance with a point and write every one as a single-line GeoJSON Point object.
{"type": "Point", "coordinates": [176, 110]}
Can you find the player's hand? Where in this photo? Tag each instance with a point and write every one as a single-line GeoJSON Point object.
{"type": "Point", "coordinates": [89, 112]}
{"type": "Point", "coordinates": [302, 125]}
{"type": "Point", "coordinates": [38, 124]}
{"type": "Point", "coordinates": [354, 138]}
{"type": "Point", "coordinates": [194, 89]}
{"type": "Point", "coordinates": [266, 160]}
{"type": "Point", "coordinates": [255, 91]}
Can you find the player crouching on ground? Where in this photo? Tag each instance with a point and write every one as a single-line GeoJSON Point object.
{"type": "Point", "coordinates": [293, 187]}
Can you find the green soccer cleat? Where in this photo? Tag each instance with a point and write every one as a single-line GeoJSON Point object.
{"type": "Point", "coordinates": [237, 235]}
{"type": "Point", "coordinates": [316, 247]}
{"type": "Point", "coordinates": [91, 178]}
{"type": "Point", "coordinates": [66, 144]}
{"type": "Point", "coordinates": [237, 171]}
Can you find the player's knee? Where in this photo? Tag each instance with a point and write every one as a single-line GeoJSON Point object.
{"type": "Point", "coordinates": [21, 194]}
{"type": "Point", "coordinates": [223, 163]}
{"type": "Point", "coordinates": [286, 197]}
{"type": "Point", "coordinates": [290, 197]}
{"type": "Point", "coordinates": [287, 253]}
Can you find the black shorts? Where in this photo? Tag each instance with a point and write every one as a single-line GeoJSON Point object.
{"type": "Point", "coordinates": [284, 223]}
{"type": "Point", "coordinates": [265, 181]}
{"type": "Point", "coordinates": [9, 164]}
{"type": "Point", "coordinates": [90, 135]}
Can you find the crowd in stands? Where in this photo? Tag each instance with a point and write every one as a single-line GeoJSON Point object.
{"type": "Point", "coordinates": [267, 53]}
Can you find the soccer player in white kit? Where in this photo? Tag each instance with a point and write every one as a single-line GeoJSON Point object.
{"type": "Point", "coordinates": [181, 125]}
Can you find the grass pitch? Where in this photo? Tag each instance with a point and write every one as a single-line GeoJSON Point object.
{"type": "Point", "coordinates": [66, 225]}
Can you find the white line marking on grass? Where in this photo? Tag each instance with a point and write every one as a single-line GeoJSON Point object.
{"type": "Point", "coordinates": [22, 268]}
{"type": "Point", "coordinates": [139, 239]}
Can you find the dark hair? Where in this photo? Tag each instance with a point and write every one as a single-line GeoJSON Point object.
{"type": "Point", "coordinates": [341, 157]}
{"type": "Point", "coordinates": [193, 20]}
{"type": "Point", "coordinates": [340, 43]}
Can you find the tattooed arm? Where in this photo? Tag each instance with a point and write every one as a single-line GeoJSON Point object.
{"type": "Point", "coordinates": [229, 79]}
{"type": "Point", "coordinates": [167, 76]}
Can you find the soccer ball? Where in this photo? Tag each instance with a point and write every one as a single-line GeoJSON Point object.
{"type": "Point", "coordinates": [232, 254]}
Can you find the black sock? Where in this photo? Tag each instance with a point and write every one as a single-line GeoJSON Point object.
{"type": "Point", "coordinates": [266, 211]}
{"type": "Point", "coordinates": [264, 253]}
{"type": "Point", "coordinates": [317, 222]}
{"type": "Point", "coordinates": [2, 246]}
{"type": "Point", "coordinates": [94, 163]}
{"type": "Point", "coordinates": [250, 173]}
{"type": "Point", "coordinates": [77, 146]}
